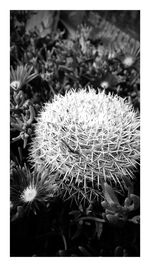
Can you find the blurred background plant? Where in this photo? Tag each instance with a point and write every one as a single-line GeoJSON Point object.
{"type": "Point", "coordinates": [51, 52]}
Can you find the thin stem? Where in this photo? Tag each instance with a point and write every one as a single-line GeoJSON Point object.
{"type": "Point", "coordinates": [91, 219]}
{"type": "Point", "coordinates": [64, 240]}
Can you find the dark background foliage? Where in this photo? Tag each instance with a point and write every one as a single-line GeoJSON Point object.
{"type": "Point", "coordinates": [58, 55]}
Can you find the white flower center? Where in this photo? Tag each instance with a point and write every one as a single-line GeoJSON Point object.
{"type": "Point", "coordinates": [128, 61]}
{"type": "Point", "coordinates": [29, 194]}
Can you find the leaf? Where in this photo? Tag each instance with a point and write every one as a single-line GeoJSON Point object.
{"type": "Point", "coordinates": [61, 253]}
{"type": "Point", "coordinates": [135, 219]}
{"type": "Point", "coordinates": [19, 214]}
{"type": "Point", "coordinates": [118, 251]}
{"type": "Point", "coordinates": [112, 218]}
{"type": "Point", "coordinates": [77, 232]}
{"type": "Point", "coordinates": [132, 202]}
{"type": "Point", "coordinates": [42, 21]}
{"type": "Point", "coordinates": [84, 251]}
{"type": "Point", "coordinates": [105, 204]}
{"type": "Point", "coordinates": [74, 212]}
{"type": "Point", "coordinates": [16, 126]}
{"type": "Point", "coordinates": [99, 229]}
{"type": "Point", "coordinates": [109, 195]}
{"type": "Point", "coordinates": [99, 220]}
{"type": "Point", "coordinates": [128, 184]}
{"type": "Point", "coordinates": [32, 115]}
{"type": "Point", "coordinates": [71, 20]}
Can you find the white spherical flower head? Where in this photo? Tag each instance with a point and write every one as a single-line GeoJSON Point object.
{"type": "Point", "coordinates": [88, 138]}
{"type": "Point", "coordinates": [104, 84]}
{"type": "Point", "coordinates": [128, 61]}
{"type": "Point", "coordinates": [29, 194]}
